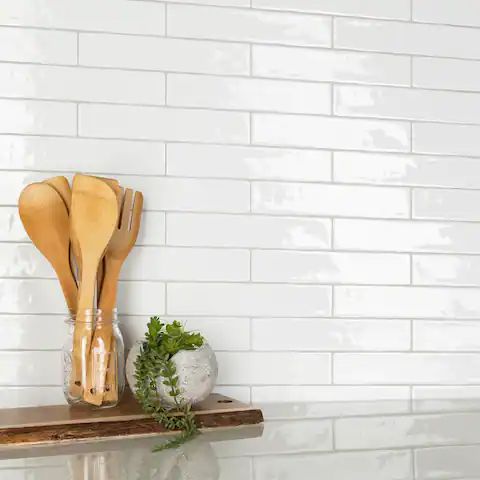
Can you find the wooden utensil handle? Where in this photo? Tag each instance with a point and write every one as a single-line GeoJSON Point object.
{"type": "Point", "coordinates": [82, 334]}
{"type": "Point", "coordinates": [101, 357]}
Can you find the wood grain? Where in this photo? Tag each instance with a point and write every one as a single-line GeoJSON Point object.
{"type": "Point", "coordinates": [28, 426]}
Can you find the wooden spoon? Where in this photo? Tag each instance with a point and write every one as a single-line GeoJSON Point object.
{"type": "Point", "coordinates": [45, 218]}
{"type": "Point", "coordinates": [61, 185]}
{"type": "Point", "coordinates": [118, 249]}
{"type": "Point", "coordinates": [94, 215]}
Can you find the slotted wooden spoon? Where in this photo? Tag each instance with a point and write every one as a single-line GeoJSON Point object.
{"type": "Point", "coordinates": [118, 249]}
{"type": "Point", "coordinates": [94, 215]}
{"type": "Point", "coordinates": [45, 218]}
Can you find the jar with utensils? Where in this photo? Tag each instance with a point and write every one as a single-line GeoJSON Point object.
{"type": "Point", "coordinates": [102, 363]}
{"type": "Point", "coordinates": [86, 232]}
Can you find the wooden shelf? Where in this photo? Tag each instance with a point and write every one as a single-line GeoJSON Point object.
{"type": "Point", "coordinates": [62, 423]}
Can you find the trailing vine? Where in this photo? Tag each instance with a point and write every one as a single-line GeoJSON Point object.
{"type": "Point", "coordinates": [162, 341]}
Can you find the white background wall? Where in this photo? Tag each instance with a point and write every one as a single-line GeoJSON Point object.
{"type": "Point", "coordinates": [310, 175]}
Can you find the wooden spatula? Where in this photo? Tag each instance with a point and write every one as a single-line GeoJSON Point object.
{"type": "Point", "coordinates": [118, 249]}
{"type": "Point", "coordinates": [93, 218]}
{"type": "Point", "coordinates": [115, 186]}
{"type": "Point", "coordinates": [45, 218]}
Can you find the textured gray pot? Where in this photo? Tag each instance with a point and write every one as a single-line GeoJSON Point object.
{"type": "Point", "coordinates": [197, 372]}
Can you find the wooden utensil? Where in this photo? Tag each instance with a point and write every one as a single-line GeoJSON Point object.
{"type": "Point", "coordinates": [45, 218]}
{"type": "Point", "coordinates": [115, 186]}
{"type": "Point", "coordinates": [118, 249]}
{"type": "Point", "coordinates": [94, 215]}
{"type": "Point", "coordinates": [61, 185]}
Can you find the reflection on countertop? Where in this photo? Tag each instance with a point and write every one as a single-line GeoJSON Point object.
{"type": "Point", "coordinates": [422, 439]}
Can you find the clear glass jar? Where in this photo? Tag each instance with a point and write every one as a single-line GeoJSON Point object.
{"type": "Point", "coordinates": [94, 359]}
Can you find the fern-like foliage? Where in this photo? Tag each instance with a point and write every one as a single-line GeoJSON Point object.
{"type": "Point", "coordinates": [162, 341]}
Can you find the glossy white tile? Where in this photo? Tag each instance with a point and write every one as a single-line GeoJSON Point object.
{"type": "Point", "coordinates": [406, 431]}
{"type": "Point", "coordinates": [330, 65]}
{"type": "Point", "coordinates": [248, 299]}
{"type": "Point", "coordinates": [446, 73]}
{"type": "Point", "coordinates": [37, 117]}
{"type": "Point", "coordinates": [221, 3]}
{"type": "Point", "coordinates": [152, 229]}
{"type": "Point", "coordinates": [248, 25]}
{"type": "Point", "coordinates": [330, 200]}
{"type": "Point", "coordinates": [190, 194]}
{"type": "Point", "coordinates": [446, 139]}
{"type": "Point", "coordinates": [280, 437]}
{"type": "Point", "coordinates": [376, 465]}
{"type": "Point", "coordinates": [248, 94]}
{"type": "Point", "coordinates": [38, 46]}
{"type": "Point", "coordinates": [407, 38]}
{"type": "Point", "coordinates": [446, 204]}
{"type": "Point", "coordinates": [27, 296]}
{"type": "Point", "coordinates": [248, 231]}
{"type": "Point", "coordinates": [368, 8]}
{"type": "Point", "coordinates": [328, 393]}
{"type": "Point", "coordinates": [445, 392]}
{"type": "Point", "coordinates": [22, 368]}
{"type": "Point", "coordinates": [405, 368]}
{"type": "Point", "coordinates": [459, 270]}
{"type": "Point", "coordinates": [462, 12]}
{"type": "Point", "coordinates": [82, 84]}
{"type": "Point", "coordinates": [406, 302]}
{"type": "Point", "coordinates": [462, 461]}
{"type": "Point", "coordinates": [16, 397]}
{"type": "Point", "coordinates": [331, 133]}
{"type": "Point", "coordinates": [187, 264]}
{"type": "Point", "coordinates": [317, 334]}
{"type": "Point", "coordinates": [414, 170]}
{"type": "Point", "coordinates": [23, 260]}
{"type": "Point", "coordinates": [446, 335]}
{"type": "Point", "coordinates": [309, 167]}
{"type": "Point", "coordinates": [180, 55]}
{"type": "Point", "coordinates": [406, 103]}
{"type": "Point", "coordinates": [330, 267]}
{"type": "Point", "coordinates": [290, 368]}
{"type": "Point", "coordinates": [222, 333]}
{"type": "Point", "coordinates": [11, 227]}
{"type": "Point", "coordinates": [158, 123]}
{"type": "Point", "coordinates": [89, 155]}
{"type": "Point", "coordinates": [131, 17]}
{"type": "Point", "coordinates": [251, 163]}
{"type": "Point", "coordinates": [406, 236]}
{"type": "Point", "coordinates": [32, 332]}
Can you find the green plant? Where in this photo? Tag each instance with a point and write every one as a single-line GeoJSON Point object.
{"type": "Point", "coordinates": [162, 341]}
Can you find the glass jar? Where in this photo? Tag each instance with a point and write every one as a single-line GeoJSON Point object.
{"type": "Point", "coordinates": [93, 355]}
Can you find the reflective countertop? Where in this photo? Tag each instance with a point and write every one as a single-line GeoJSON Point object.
{"type": "Point", "coordinates": [427, 439]}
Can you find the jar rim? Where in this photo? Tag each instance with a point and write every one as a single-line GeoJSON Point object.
{"type": "Point", "coordinates": [96, 315]}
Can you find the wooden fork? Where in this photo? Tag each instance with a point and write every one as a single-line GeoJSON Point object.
{"type": "Point", "coordinates": [120, 245]}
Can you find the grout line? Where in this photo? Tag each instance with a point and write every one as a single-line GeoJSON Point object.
{"type": "Point", "coordinates": [77, 119]}
{"type": "Point", "coordinates": [282, 181]}
{"type": "Point", "coordinates": [78, 49]}
{"type": "Point", "coordinates": [412, 337]}
{"type": "Point", "coordinates": [245, 76]}
{"type": "Point", "coordinates": [318, 47]}
{"type": "Point", "coordinates": [165, 26]}
{"type": "Point", "coordinates": [289, 12]}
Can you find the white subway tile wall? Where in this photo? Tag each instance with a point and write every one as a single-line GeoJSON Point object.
{"type": "Point", "coordinates": [311, 171]}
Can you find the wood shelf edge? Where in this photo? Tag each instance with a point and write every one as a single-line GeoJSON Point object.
{"type": "Point", "coordinates": [29, 426]}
